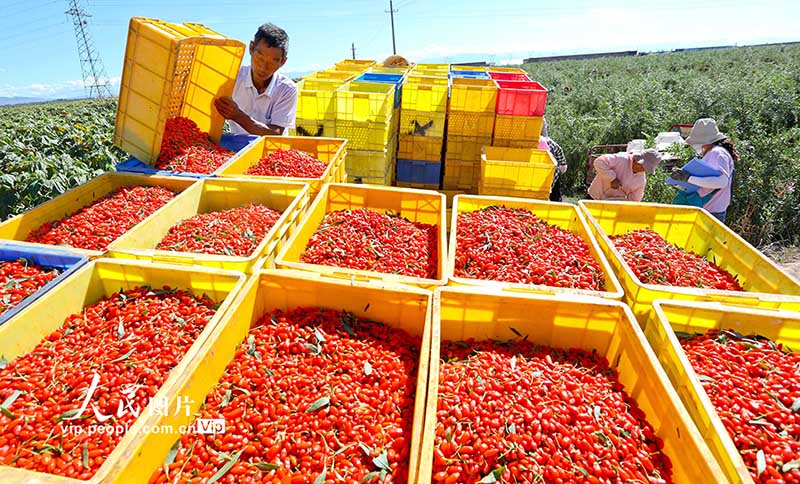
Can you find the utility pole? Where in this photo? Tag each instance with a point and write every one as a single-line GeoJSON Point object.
{"type": "Point", "coordinates": [354, 50]}
{"type": "Point", "coordinates": [391, 15]}
{"type": "Point", "coordinates": [95, 80]}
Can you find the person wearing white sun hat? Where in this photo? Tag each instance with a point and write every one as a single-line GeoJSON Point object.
{"type": "Point", "coordinates": [621, 176]}
{"type": "Point", "coordinates": [717, 151]}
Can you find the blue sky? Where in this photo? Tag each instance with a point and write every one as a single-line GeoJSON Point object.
{"type": "Point", "coordinates": [39, 57]}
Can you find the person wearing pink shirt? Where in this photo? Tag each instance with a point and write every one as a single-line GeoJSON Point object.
{"type": "Point", "coordinates": [718, 151]}
{"type": "Point", "coordinates": [621, 176]}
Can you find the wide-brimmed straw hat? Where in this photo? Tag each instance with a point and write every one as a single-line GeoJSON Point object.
{"type": "Point", "coordinates": [705, 132]}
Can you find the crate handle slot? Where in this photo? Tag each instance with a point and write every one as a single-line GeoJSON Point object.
{"type": "Point", "coordinates": [352, 277]}
{"type": "Point", "coordinates": [173, 259]}
{"type": "Point", "coordinates": [530, 290]}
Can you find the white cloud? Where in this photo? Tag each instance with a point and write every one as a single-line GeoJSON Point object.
{"type": "Point", "coordinates": [70, 88]}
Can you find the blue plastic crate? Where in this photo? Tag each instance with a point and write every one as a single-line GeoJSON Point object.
{"type": "Point", "coordinates": [396, 79]}
{"type": "Point", "coordinates": [65, 261]}
{"type": "Point", "coordinates": [416, 171]}
{"type": "Point", "coordinates": [470, 74]}
{"type": "Point", "coordinates": [233, 142]}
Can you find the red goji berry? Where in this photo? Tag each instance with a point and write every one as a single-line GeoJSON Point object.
{"type": "Point", "coordinates": [513, 245]}
{"type": "Point", "coordinates": [754, 387]}
{"type": "Point", "coordinates": [131, 340]}
{"type": "Point", "coordinates": [527, 413]}
{"type": "Point", "coordinates": [368, 240]}
{"type": "Point", "coordinates": [289, 163]}
{"type": "Point", "coordinates": [310, 391]}
{"type": "Point", "coordinates": [184, 148]}
{"type": "Point", "coordinates": [234, 232]}
{"type": "Point", "coordinates": [19, 279]}
{"type": "Point", "coordinates": [95, 226]}
{"type": "Point", "coordinates": [655, 261]}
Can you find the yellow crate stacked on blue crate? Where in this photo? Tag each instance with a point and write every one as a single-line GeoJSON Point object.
{"type": "Point", "coordinates": [423, 115]}
{"type": "Point", "coordinates": [470, 123]}
{"type": "Point", "coordinates": [172, 70]}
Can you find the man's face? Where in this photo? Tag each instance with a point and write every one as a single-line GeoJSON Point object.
{"type": "Point", "coordinates": [265, 60]}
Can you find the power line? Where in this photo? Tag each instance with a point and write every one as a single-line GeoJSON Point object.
{"type": "Point", "coordinates": [95, 80]}
{"type": "Point", "coordinates": [26, 33]}
{"type": "Point", "coordinates": [391, 15]}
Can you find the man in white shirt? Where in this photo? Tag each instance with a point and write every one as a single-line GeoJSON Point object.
{"type": "Point", "coordinates": [264, 101]}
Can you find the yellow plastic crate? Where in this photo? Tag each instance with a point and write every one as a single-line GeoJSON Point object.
{"type": "Point", "coordinates": [415, 78]}
{"type": "Point", "coordinates": [172, 70]}
{"type": "Point", "coordinates": [341, 76]}
{"type": "Point", "coordinates": [432, 67]}
{"type": "Point", "coordinates": [365, 63]}
{"type": "Point", "coordinates": [424, 98]}
{"type": "Point", "coordinates": [527, 173]}
{"type": "Point", "coordinates": [374, 177]}
{"type": "Point", "coordinates": [564, 215]}
{"type": "Point", "coordinates": [566, 322]}
{"type": "Point", "coordinates": [692, 317]}
{"type": "Point", "coordinates": [398, 306]}
{"type": "Point", "coordinates": [316, 99]}
{"type": "Point", "coordinates": [517, 128]}
{"type": "Point", "coordinates": [466, 123]}
{"type": "Point", "coordinates": [508, 143]}
{"type": "Point", "coordinates": [366, 135]}
{"type": "Point", "coordinates": [695, 230]}
{"type": "Point", "coordinates": [422, 148]}
{"type": "Point", "coordinates": [330, 150]}
{"type": "Point", "coordinates": [371, 165]}
{"type": "Point", "coordinates": [211, 195]}
{"type": "Point", "coordinates": [102, 278]}
{"type": "Point", "coordinates": [430, 73]}
{"type": "Point", "coordinates": [473, 95]}
{"type": "Point", "coordinates": [313, 128]}
{"type": "Point", "coordinates": [419, 186]}
{"type": "Point", "coordinates": [351, 68]}
{"type": "Point", "coordinates": [461, 175]}
{"type": "Point", "coordinates": [377, 69]}
{"type": "Point", "coordinates": [18, 228]}
{"type": "Point", "coordinates": [465, 148]}
{"type": "Point", "coordinates": [415, 205]}
{"type": "Point", "coordinates": [422, 123]}
{"type": "Point", "coordinates": [365, 101]}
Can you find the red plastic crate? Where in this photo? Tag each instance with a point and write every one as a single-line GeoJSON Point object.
{"type": "Point", "coordinates": [509, 76]}
{"type": "Point", "coordinates": [520, 98]}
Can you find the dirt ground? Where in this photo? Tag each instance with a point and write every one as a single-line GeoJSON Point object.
{"type": "Point", "coordinates": [788, 258]}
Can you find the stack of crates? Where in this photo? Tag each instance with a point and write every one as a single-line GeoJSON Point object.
{"type": "Point", "coordinates": [316, 106]}
{"type": "Point", "coordinates": [471, 118]}
{"type": "Point", "coordinates": [520, 109]}
{"type": "Point", "coordinates": [316, 103]}
{"type": "Point", "coordinates": [423, 115]}
{"type": "Point", "coordinates": [365, 117]}
{"type": "Point", "coordinates": [387, 75]}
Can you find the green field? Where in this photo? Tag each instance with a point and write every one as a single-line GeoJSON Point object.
{"type": "Point", "coordinates": [753, 92]}
{"type": "Point", "coordinates": [46, 149]}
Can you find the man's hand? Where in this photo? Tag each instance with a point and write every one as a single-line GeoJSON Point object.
{"type": "Point", "coordinates": [615, 184]}
{"type": "Point", "coordinates": [227, 108]}
{"type": "Point", "coordinates": [680, 175]}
